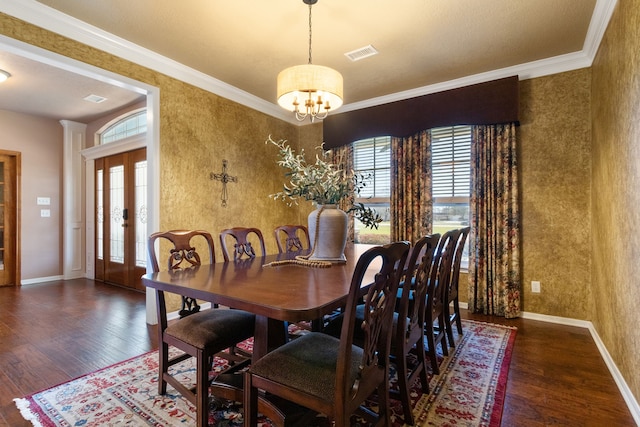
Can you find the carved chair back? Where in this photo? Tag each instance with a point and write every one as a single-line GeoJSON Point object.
{"type": "Point", "coordinates": [244, 241]}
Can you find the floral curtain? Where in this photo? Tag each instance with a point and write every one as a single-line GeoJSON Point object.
{"type": "Point", "coordinates": [411, 200]}
{"type": "Point", "coordinates": [343, 157]}
{"type": "Point", "coordinates": [494, 244]}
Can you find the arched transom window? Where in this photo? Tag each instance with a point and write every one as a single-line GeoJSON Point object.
{"type": "Point", "coordinates": [131, 125]}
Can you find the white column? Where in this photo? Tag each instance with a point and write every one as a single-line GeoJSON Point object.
{"type": "Point", "coordinates": [73, 225]}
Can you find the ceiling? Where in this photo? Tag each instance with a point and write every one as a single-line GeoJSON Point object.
{"type": "Point", "coordinates": [423, 44]}
{"type": "Point", "coordinates": [40, 89]}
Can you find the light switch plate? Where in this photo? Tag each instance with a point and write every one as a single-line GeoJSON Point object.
{"type": "Point", "coordinates": [535, 287]}
{"type": "Point", "coordinates": [45, 213]}
{"type": "Point", "coordinates": [44, 201]}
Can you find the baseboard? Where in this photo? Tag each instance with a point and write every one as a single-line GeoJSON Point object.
{"type": "Point", "coordinates": [627, 395]}
{"type": "Point", "coordinates": [40, 280]}
{"type": "Point", "coordinates": [556, 319]}
{"type": "Point", "coordinates": [629, 398]}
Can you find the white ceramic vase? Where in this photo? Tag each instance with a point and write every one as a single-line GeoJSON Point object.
{"type": "Point", "coordinates": [330, 223]}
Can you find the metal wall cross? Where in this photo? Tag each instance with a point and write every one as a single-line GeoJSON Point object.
{"type": "Point", "coordinates": [225, 178]}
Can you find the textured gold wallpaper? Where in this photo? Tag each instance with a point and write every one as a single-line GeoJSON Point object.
{"type": "Point", "coordinates": [555, 164]}
{"type": "Point", "coordinates": [554, 167]}
{"type": "Point", "coordinates": [616, 198]}
{"type": "Point", "coordinates": [198, 131]}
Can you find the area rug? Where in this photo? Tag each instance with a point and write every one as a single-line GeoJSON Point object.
{"type": "Point", "coordinates": [469, 391]}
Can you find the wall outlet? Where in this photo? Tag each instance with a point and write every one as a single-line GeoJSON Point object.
{"type": "Point", "coordinates": [535, 287]}
{"type": "Point", "coordinates": [45, 213]}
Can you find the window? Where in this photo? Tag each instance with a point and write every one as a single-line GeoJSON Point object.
{"type": "Point", "coordinates": [451, 165]}
{"type": "Point", "coordinates": [133, 124]}
{"type": "Point", "coordinates": [372, 158]}
{"type": "Point", "coordinates": [451, 178]}
{"type": "Point", "coordinates": [451, 162]}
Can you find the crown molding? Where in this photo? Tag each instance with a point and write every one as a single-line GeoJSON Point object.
{"type": "Point", "coordinates": [50, 19]}
{"type": "Point", "coordinates": [543, 67]}
{"type": "Point", "coordinates": [597, 27]}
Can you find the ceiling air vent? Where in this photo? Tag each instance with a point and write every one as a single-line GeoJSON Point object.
{"type": "Point", "coordinates": [95, 98]}
{"type": "Point", "coordinates": [363, 52]}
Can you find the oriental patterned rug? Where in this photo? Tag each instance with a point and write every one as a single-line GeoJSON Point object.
{"type": "Point", "coordinates": [468, 392]}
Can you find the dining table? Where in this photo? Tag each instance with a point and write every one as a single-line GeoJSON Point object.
{"type": "Point", "coordinates": [275, 292]}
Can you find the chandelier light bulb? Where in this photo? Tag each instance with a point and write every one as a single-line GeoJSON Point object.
{"type": "Point", "coordinates": [4, 75]}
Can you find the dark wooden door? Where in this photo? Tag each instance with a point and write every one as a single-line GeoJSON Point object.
{"type": "Point", "coordinates": [8, 225]}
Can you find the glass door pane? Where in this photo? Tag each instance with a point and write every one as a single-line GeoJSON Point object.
{"type": "Point", "coordinates": [140, 171]}
{"type": "Point", "coordinates": [116, 197]}
{"type": "Point", "coordinates": [100, 214]}
{"type": "Point", "coordinates": [2, 182]}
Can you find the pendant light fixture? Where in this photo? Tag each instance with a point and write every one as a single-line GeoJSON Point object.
{"type": "Point", "coordinates": [309, 90]}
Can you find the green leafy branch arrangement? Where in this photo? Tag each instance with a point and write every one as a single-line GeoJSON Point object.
{"type": "Point", "coordinates": [321, 182]}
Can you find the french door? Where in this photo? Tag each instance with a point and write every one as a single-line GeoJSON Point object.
{"type": "Point", "coordinates": [121, 218]}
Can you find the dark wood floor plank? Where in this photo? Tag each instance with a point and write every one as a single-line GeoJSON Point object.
{"type": "Point", "coordinates": [30, 369]}
{"type": "Point", "coordinates": [557, 377]}
{"type": "Point", "coordinates": [9, 415]}
{"type": "Point", "coordinates": [57, 331]}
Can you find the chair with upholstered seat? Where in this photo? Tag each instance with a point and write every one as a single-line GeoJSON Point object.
{"type": "Point", "coordinates": [408, 331]}
{"type": "Point", "coordinates": [244, 241]}
{"type": "Point", "coordinates": [434, 322]}
{"type": "Point", "coordinates": [200, 335]}
{"type": "Point", "coordinates": [451, 302]}
{"type": "Point", "coordinates": [292, 238]}
{"type": "Point", "coordinates": [331, 375]}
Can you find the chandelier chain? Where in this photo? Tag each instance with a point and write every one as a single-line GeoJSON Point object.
{"type": "Point", "coordinates": [309, 33]}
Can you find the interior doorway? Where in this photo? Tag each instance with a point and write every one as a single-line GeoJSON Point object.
{"type": "Point", "coordinates": [9, 176]}
{"type": "Point", "coordinates": [151, 142]}
{"type": "Point", "coordinates": [121, 218]}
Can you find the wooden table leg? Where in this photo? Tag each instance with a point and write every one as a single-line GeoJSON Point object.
{"type": "Point", "coordinates": [269, 334]}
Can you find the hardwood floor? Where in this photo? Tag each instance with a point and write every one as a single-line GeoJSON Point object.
{"type": "Point", "coordinates": [53, 332]}
{"type": "Point", "coordinates": [557, 377]}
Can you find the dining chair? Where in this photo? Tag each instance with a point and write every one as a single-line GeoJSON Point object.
{"type": "Point", "coordinates": [434, 322]}
{"type": "Point", "coordinates": [408, 335]}
{"type": "Point", "coordinates": [292, 238]}
{"type": "Point", "coordinates": [408, 321]}
{"type": "Point", "coordinates": [331, 375]}
{"type": "Point", "coordinates": [201, 335]}
{"type": "Point", "coordinates": [452, 314]}
{"type": "Point", "coordinates": [244, 240]}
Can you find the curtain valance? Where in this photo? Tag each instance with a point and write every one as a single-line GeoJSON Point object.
{"type": "Point", "coordinates": [486, 103]}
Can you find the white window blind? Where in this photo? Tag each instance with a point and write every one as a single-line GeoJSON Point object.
{"type": "Point", "coordinates": [451, 165]}
{"type": "Point", "coordinates": [451, 161]}
{"type": "Point", "coordinates": [372, 157]}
